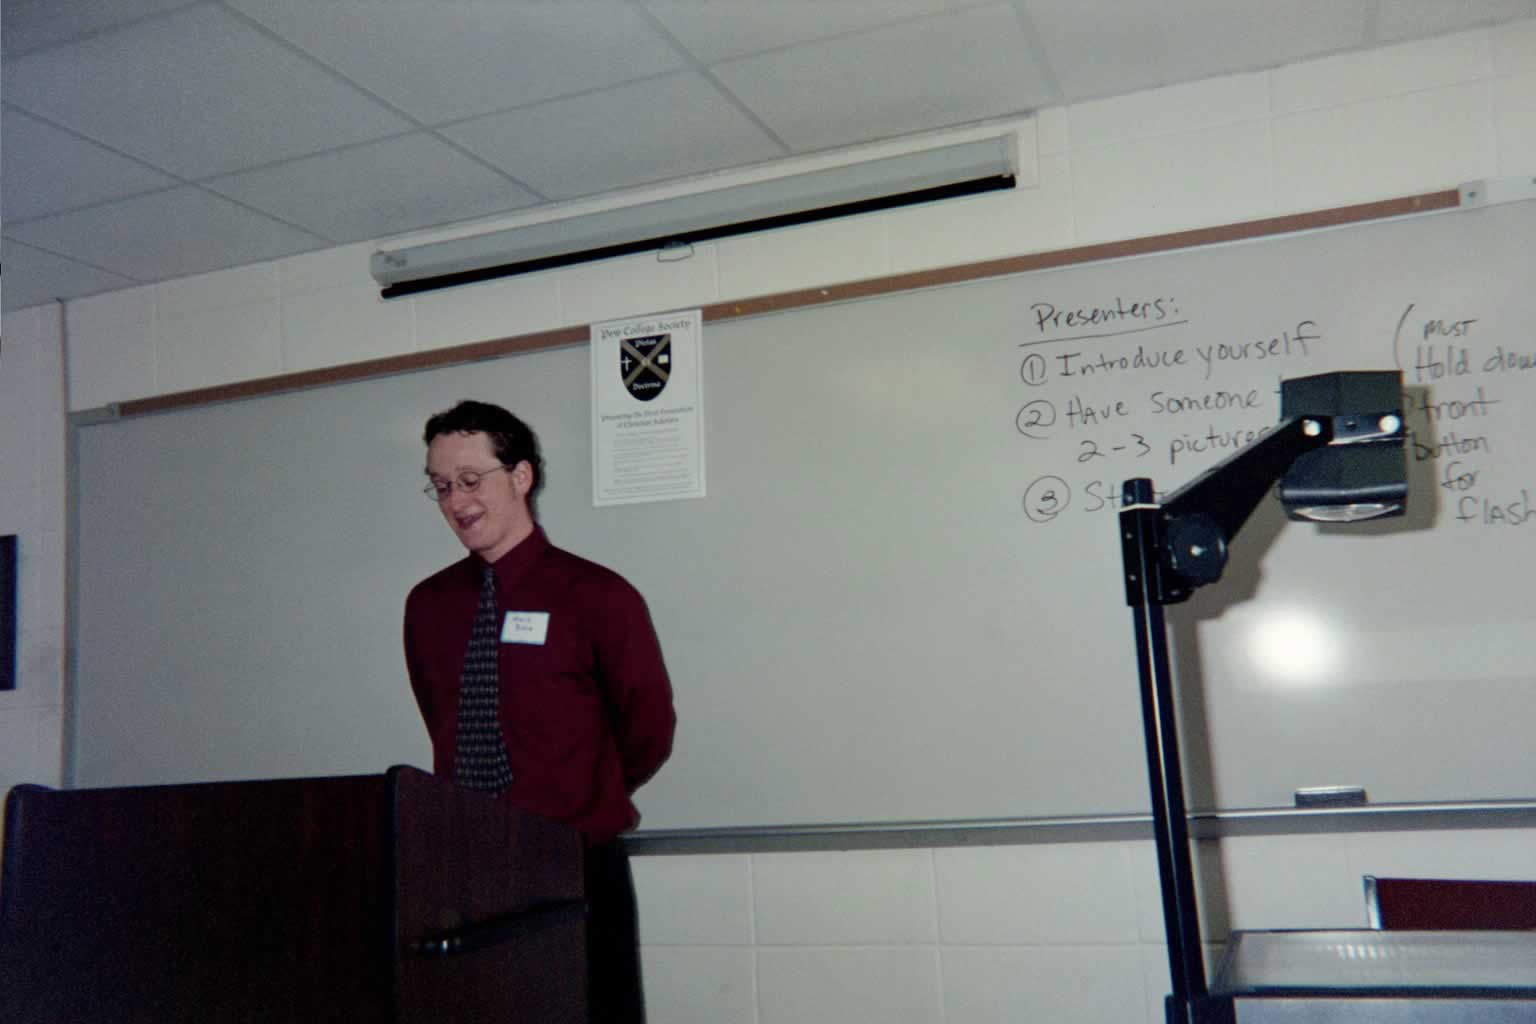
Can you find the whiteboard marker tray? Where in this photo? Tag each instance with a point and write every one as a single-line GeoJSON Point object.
{"type": "Point", "coordinates": [1408, 962]}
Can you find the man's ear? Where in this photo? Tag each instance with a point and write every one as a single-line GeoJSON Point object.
{"type": "Point", "coordinates": [522, 478]}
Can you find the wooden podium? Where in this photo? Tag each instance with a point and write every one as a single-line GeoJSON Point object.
{"type": "Point", "coordinates": [391, 898]}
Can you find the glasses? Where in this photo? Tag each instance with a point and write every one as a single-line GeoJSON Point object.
{"type": "Point", "coordinates": [467, 482]}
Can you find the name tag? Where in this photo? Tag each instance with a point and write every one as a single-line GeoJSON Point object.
{"type": "Point", "coordinates": [525, 628]}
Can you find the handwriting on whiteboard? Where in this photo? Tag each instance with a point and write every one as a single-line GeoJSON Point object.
{"type": "Point", "coordinates": [1466, 378]}
{"type": "Point", "coordinates": [1137, 387]}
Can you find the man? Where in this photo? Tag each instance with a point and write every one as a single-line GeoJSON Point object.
{"type": "Point", "coordinates": [538, 674]}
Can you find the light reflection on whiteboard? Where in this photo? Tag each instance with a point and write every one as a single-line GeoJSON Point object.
{"type": "Point", "coordinates": [1295, 647]}
{"type": "Point", "coordinates": [1305, 649]}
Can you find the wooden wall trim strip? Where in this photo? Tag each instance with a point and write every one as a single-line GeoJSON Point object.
{"type": "Point", "coordinates": [409, 363]}
{"type": "Point", "coordinates": [783, 301]}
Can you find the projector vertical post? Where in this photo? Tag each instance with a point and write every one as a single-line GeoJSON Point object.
{"type": "Point", "coordinates": [1141, 531]}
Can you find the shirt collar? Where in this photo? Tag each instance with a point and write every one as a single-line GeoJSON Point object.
{"type": "Point", "coordinates": [511, 566]}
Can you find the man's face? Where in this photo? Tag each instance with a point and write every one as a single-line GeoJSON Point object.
{"type": "Point", "coordinates": [494, 517]}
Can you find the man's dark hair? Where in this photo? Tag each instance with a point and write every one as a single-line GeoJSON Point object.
{"type": "Point", "coordinates": [511, 439]}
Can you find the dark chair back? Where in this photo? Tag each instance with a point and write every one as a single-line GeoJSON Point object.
{"type": "Point", "coordinates": [1443, 904]}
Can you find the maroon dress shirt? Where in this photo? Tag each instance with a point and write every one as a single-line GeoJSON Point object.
{"type": "Point", "coordinates": [587, 715]}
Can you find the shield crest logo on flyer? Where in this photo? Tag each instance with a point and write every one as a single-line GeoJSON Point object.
{"type": "Point", "coordinates": [645, 364]}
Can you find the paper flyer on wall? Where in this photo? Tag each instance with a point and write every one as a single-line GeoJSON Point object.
{"type": "Point", "coordinates": [647, 409]}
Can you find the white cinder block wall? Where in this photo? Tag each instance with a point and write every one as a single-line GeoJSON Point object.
{"type": "Point", "coordinates": [958, 935]}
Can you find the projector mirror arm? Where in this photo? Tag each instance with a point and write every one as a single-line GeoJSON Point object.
{"type": "Point", "coordinates": [1188, 537]}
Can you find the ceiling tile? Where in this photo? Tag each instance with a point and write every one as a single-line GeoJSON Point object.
{"type": "Point", "coordinates": [1414, 19]}
{"type": "Point", "coordinates": [1105, 48]}
{"type": "Point", "coordinates": [1100, 48]}
{"type": "Point", "coordinates": [29, 24]}
{"type": "Point", "coordinates": [376, 189]}
{"type": "Point", "coordinates": [165, 234]}
{"type": "Point", "coordinates": [1222, 36]}
{"type": "Point", "coordinates": [910, 78]}
{"type": "Point", "coordinates": [46, 170]}
{"type": "Point", "coordinates": [484, 57]}
{"type": "Point", "coordinates": [650, 131]}
{"type": "Point", "coordinates": [196, 93]}
{"type": "Point", "coordinates": [33, 276]}
{"type": "Point", "coordinates": [724, 29]}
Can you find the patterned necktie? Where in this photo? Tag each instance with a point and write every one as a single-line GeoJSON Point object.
{"type": "Point", "coordinates": [480, 757]}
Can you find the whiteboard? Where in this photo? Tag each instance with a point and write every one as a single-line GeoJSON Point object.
{"type": "Point", "coordinates": [901, 600]}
